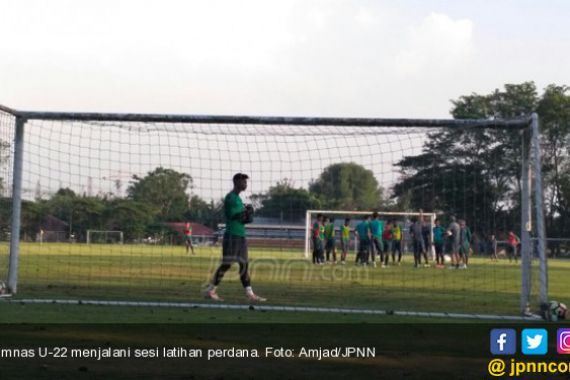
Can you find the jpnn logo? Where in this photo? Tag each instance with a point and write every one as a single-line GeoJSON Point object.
{"type": "Point", "coordinates": [534, 341]}
{"type": "Point", "coordinates": [503, 341]}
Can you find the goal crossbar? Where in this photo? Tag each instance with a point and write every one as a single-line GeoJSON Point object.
{"type": "Point", "coordinates": [381, 213]}
{"type": "Point", "coordinates": [517, 123]}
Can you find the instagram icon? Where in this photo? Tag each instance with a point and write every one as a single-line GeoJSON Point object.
{"type": "Point", "coordinates": [563, 341]}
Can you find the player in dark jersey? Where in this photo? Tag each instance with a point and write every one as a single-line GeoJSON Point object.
{"type": "Point", "coordinates": [363, 233]}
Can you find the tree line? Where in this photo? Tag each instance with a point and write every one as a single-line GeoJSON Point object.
{"type": "Point", "coordinates": [476, 173]}
{"type": "Point", "coordinates": [162, 197]}
{"type": "Point", "coordinates": [472, 173]}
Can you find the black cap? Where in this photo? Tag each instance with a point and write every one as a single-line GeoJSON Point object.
{"type": "Point", "coordinates": [239, 176]}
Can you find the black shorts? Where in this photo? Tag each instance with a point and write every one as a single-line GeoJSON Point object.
{"type": "Point", "coordinates": [234, 249]}
{"type": "Point", "coordinates": [317, 245]}
{"type": "Point", "coordinates": [364, 245]}
{"type": "Point", "coordinates": [438, 248]}
{"type": "Point", "coordinates": [396, 245]}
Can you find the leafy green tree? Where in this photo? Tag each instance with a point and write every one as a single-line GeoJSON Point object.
{"type": "Point", "coordinates": [81, 213]}
{"type": "Point", "coordinates": [86, 214]}
{"type": "Point", "coordinates": [459, 187]}
{"type": "Point", "coordinates": [285, 202]}
{"type": "Point", "coordinates": [164, 192]}
{"type": "Point", "coordinates": [476, 173]}
{"type": "Point", "coordinates": [554, 112]}
{"type": "Point", "coordinates": [128, 216]}
{"type": "Point", "coordinates": [516, 100]}
{"type": "Point", "coordinates": [207, 213]}
{"type": "Point", "coordinates": [60, 205]}
{"type": "Point", "coordinates": [347, 186]}
{"type": "Point", "coordinates": [33, 214]}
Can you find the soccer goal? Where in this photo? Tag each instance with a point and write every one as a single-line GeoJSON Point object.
{"type": "Point", "coordinates": [91, 172]}
{"type": "Point", "coordinates": [104, 237]}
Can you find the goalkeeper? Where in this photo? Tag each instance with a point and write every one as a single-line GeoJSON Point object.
{"type": "Point", "coordinates": [234, 244]}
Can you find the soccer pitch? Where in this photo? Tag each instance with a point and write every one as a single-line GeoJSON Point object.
{"type": "Point", "coordinates": [147, 273]}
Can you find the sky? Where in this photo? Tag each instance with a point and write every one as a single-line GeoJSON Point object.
{"type": "Point", "coordinates": [286, 58]}
{"type": "Point", "coordinates": [256, 57]}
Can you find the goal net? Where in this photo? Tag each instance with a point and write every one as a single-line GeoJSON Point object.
{"type": "Point", "coordinates": [109, 178]}
{"type": "Point", "coordinates": [104, 237]}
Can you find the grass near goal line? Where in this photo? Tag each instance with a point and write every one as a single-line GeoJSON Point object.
{"type": "Point", "coordinates": [168, 274]}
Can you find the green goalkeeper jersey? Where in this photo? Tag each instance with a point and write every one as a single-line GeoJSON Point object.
{"type": "Point", "coordinates": [233, 205]}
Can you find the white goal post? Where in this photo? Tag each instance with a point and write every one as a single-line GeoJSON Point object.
{"type": "Point", "coordinates": [311, 214]}
{"type": "Point", "coordinates": [293, 162]}
{"type": "Point", "coordinates": [104, 237]}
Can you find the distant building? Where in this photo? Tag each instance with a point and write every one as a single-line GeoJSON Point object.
{"type": "Point", "coordinates": [272, 234]}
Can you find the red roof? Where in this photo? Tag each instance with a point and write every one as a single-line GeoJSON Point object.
{"type": "Point", "coordinates": [197, 228]}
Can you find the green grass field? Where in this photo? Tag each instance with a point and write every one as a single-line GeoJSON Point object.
{"type": "Point", "coordinates": [408, 347]}
{"type": "Point", "coordinates": [168, 274]}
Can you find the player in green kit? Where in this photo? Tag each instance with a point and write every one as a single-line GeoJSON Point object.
{"type": "Point", "coordinates": [234, 245]}
{"type": "Point", "coordinates": [376, 230]}
{"type": "Point", "coordinates": [330, 240]}
{"type": "Point", "coordinates": [322, 240]}
{"type": "Point", "coordinates": [344, 240]}
{"type": "Point", "coordinates": [396, 241]}
{"type": "Point", "coordinates": [438, 242]}
{"type": "Point", "coordinates": [363, 233]}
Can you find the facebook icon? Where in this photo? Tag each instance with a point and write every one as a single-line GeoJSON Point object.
{"type": "Point", "coordinates": [503, 341]}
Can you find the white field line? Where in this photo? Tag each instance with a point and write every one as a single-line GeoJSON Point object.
{"type": "Point", "coordinates": [262, 307]}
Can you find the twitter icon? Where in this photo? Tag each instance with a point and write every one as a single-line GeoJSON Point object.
{"type": "Point", "coordinates": [534, 341]}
